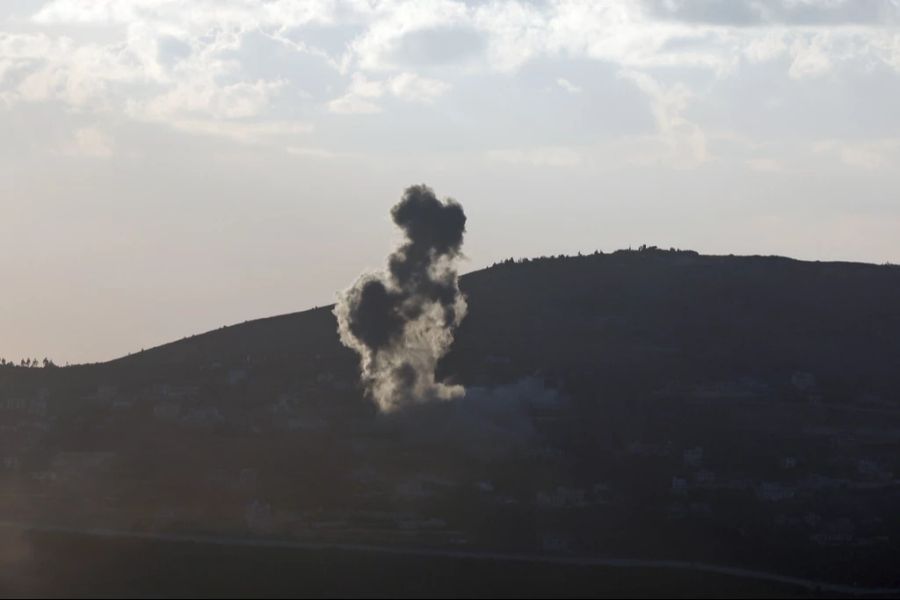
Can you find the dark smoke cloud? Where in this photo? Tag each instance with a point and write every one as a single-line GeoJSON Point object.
{"type": "Point", "coordinates": [401, 321]}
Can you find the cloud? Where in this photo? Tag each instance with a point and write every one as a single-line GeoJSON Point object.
{"type": "Point", "coordinates": [190, 14]}
{"type": "Point", "coordinates": [869, 155]}
{"type": "Point", "coordinates": [359, 98]}
{"type": "Point", "coordinates": [775, 12]}
{"type": "Point", "coordinates": [765, 47]}
{"type": "Point", "coordinates": [351, 104]}
{"type": "Point", "coordinates": [809, 58]}
{"type": "Point", "coordinates": [539, 157]}
{"type": "Point", "coordinates": [362, 92]}
{"type": "Point", "coordinates": [165, 61]}
{"type": "Point", "coordinates": [568, 86]}
{"type": "Point", "coordinates": [89, 142]}
{"type": "Point", "coordinates": [214, 101]}
{"type": "Point", "coordinates": [764, 165]}
{"type": "Point", "coordinates": [413, 88]}
{"type": "Point", "coordinates": [190, 64]}
{"type": "Point", "coordinates": [309, 152]}
{"type": "Point", "coordinates": [381, 43]}
{"type": "Point", "coordinates": [446, 45]}
{"type": "Point", "coordinates": [684, 138]}
{"type": "Point", "coordinates": [244, 132]}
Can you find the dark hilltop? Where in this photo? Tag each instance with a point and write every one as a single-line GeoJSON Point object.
{"type": "Point", "coordinates": [646, 404]}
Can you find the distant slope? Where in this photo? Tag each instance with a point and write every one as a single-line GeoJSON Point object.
{"type": "Point", "coordinates": [645, 319]}
{"type": "Point", "coordinates": [631, 320]}
{"type": "Point", "coordinates": [296, 335]}
{"type": "Point", "coordinates": [740, 411]}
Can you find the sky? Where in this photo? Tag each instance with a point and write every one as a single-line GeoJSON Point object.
{"type": "Point", "coordinates": [171, 166]}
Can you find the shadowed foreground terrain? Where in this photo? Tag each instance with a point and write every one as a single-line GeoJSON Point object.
{"type": "Point", "coordinates": [740, 411]}
{"type": "Point", "coordinates": [116, 567]}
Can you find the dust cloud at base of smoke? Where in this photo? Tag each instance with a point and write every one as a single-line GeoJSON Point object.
{"type": "Point", "coordinates": [485, 423]}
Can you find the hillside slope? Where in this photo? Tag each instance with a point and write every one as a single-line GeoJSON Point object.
{"type": "Point", "coordinates": [663, 405]}
{"type": "Point", "coordinates": [628, 321]}
{"type": "Point", "coordinates": [647, 316]}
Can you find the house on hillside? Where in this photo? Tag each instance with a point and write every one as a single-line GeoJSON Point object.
{"type": "Point", "coordinates": [14, 404]}
{"type": "Point", "coordinates": [871, 470]}
{"type": "Point", "coordinates": [693, 457]}
{"type": "Point", "coordinates": [788, 462]}
{"type": "Point", "coordinates": [562, 497]}
{"type": "Point", "coordinates": [176, 393]}
{"type": "Point", "coordinates": [705, 477]}
{"type": "Point", "coordinates": [236, 376]}
{"type": "Point", "coordinates": [258, 516]}
{"type": "Point", "coordinates": [803, 382]}
{"type": "Point", "coordinates": [106, 392]}
{"type": "Point", "coordinates": [769, 491]}
{"type": "Point", "coordinates": [839, 532]}
{"type": "Point", "coordinates": [202, 417]}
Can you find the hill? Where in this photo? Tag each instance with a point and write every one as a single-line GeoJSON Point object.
{"type": "Point", "coordinates": [653, 404]}
{"type": "Point", "coordinates": [644, 316]}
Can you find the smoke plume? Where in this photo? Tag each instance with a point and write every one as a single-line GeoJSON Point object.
{"type": "Point", "coordinates": [401, 321]}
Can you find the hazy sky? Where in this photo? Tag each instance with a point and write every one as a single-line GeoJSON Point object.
{"type": "Point", "coordinates": [170, 166]}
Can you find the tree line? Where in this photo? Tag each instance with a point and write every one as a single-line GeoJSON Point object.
{"type": "Point", "coordinates": [29, 363]}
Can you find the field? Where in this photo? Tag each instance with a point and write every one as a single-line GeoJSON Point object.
{"type": "Point", "coordinates": [73, 565]}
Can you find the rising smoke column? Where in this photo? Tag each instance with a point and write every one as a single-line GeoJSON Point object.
{"type": "Point", "coordinates": [401, 321]}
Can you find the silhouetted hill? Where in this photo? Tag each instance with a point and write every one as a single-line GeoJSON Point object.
{"type": "Point", "coordinates": [655, 404]}
{"type": "Point", "coordinates": [635, 319]}
{"type": "Point", "coordinates": [646, 318]}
